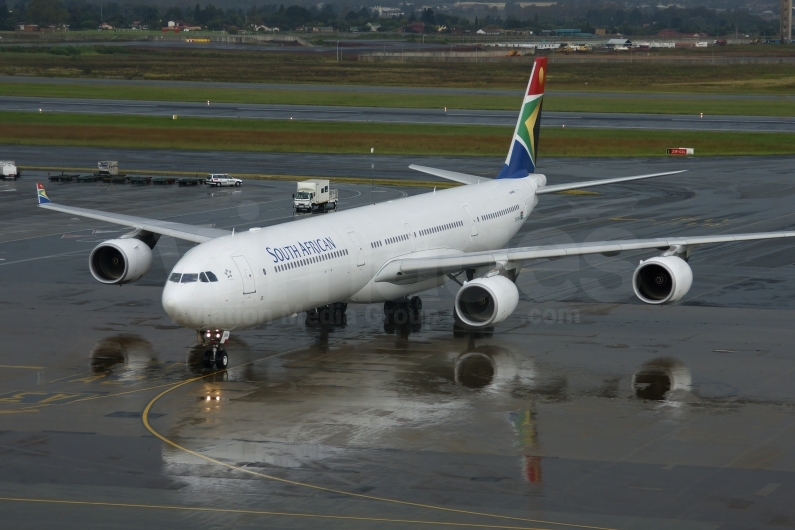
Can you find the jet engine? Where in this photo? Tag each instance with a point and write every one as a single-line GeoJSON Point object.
{"type": "Point", "coordinates": [662, 280]}
{"type": "Point", "coordinates": [120, 261]}
{"type": "Point", "coordinates": [486, 301]}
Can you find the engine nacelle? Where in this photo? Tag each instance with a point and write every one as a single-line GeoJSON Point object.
{"type": "Point", "coordinates": [486, 301]}
{"type": "Point", "coordinates": [120, 261]}
{"type": "Point", "coordinates": [662, 280]}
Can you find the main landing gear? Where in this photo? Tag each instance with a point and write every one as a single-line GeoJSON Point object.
{"type": "Point", "coordinates": [327, 315]}
{"type": "Point", "coordinates": [403, 312]}
{"type": "Point", "coordinates": [216, 355]}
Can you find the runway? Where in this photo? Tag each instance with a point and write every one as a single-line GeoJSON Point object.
{"type": "Point", "coordinates": [469, 91]}
{"type": "Point", "coordinates": [662, 122]}
{"type": "Point", "coordinates": [585, 408]}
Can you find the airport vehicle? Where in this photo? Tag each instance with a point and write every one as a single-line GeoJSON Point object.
{"type": "Point", "coordinates": [107, 167]}
{"type": "Point", "coordinates": [314, 195]}
{"type": "Point", "coordinates": [222, 179]}
{"type": "Point", "coordinates": [9, 169]}
{"type": "Point", "coordinates": [383, 253]}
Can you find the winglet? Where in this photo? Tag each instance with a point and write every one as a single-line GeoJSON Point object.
{"type": "Point", "coordinates": [43, 199]}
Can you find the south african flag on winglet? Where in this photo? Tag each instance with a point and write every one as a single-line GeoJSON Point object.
{"type": "Point", "coordinates": [521, 160]}
{"type": "Point", "coordinates": [43, 199]}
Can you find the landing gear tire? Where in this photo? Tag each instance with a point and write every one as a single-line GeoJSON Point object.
{"type": "Point", "coordinates": [221, 360]}
{"type": "Point", "coordinates": [403, 314]}
{"type": "Point", "coordinates": [415, 304]}
{"type": "Point", "coordinates": [327, 315]}
{"type": "Point", "coordinates": [207, 360]}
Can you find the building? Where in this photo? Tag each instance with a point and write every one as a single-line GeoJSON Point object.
{"type": "Point", "coordinates": [618, 42]}
{"type": "Point", "coordinates": [388, 12]}
{"type": "Point", "coordinates": [572, 33]}
{"type": "Point", "coordinates": [416, 27]}
{"type": "Point", "coordinates": [21, 26]}
{"type": "Point", "coordinates": [372, 27]}
{"type": "Point", "coordinates": [786, 21]}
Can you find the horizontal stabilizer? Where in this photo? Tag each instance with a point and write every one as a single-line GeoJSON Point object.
{"type": "Point", "coordinates": [463, 178]}
{"type": "Point", "coordinates": [590, 183]}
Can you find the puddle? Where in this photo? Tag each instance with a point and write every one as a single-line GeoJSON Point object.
{"type": "Point", "coordinates": [120, 350]}
{"type": "Point", "coordinates": [660, 379]}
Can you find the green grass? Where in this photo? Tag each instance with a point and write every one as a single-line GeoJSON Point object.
{"type": "Point", "coordinates": [552, 102]}
{"type": "Point", "coordinates": [339, 137]}
{"type": "Point", "coordinates": [255, 65]}
{"type": "Point", "coordinates": [259, 96]}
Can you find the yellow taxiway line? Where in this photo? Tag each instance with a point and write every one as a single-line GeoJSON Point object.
{"type": "Point", "coordinates": [145, 418]}
{"type": "Point", "coordinates": [261, 512]}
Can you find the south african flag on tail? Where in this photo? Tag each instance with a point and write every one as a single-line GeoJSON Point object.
{"type": "Point", "coordinates": [43, 199]}
{"type": "Point", "coordinates": [521, 160]}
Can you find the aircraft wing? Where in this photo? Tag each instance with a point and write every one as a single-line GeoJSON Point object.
{"type": "Point", "coordinates": [196, 234]}
{"type": "Point", "coordinates": [410, 270]}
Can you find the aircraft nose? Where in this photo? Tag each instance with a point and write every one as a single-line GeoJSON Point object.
{"type": "Point", "coordinates": [176, 303]}
{"type": "Point", "coordinates": [169, 300]}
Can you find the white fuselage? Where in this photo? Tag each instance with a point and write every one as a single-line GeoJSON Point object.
{"type": "Point", "coordinates": [268, 273]}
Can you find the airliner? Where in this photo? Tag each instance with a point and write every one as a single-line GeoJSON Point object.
{"type": "Point", "coordinates": [382, 253]}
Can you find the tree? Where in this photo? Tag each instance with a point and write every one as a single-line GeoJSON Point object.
{"type": "Point", "coordinates": [6, 24]}
{"type": "Point", "coordinates": [47, 12]}
{"type": "Point", "coordinates": [428, 16]}
{"type": "Point", "coordinates": [173, 13]}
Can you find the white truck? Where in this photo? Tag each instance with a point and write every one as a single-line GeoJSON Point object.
{"type": "Point", "coordinates": [10, 170]}
{"type": "Point", "coordinates": [107, 167]}
{"type": "Point", "coordinates": [314, 195]}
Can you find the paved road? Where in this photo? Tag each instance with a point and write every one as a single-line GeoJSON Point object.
{"type": "Point", "coordinates": [662, 122]}
{"type": "Point", "coordinates": [386, 166]}
{"type": "Point", "coordinates": [586, 407]}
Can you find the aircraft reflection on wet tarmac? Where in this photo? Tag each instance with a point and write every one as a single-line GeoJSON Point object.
{"type": "Point", "coordinates": [437, 376]}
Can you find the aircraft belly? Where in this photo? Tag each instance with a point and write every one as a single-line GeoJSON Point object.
{"type": "Point", "coordinates": [381, 292]}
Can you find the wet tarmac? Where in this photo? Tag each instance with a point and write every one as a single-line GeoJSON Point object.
{"type": "Point", "coordinates": [585, 408]}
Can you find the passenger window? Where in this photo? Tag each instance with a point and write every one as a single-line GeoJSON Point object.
{"type": "Point", "coordinates": [189, 278]}
{"type": "Point", "coordinates": [211, 277]}
{"type": "Point", "coordinates": [175, 277]}
{"type": "Point", "coordinates": [203, 278]}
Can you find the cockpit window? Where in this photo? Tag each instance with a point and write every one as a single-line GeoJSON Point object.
{"type": "Point", "coordinates": [211, 277]}
{"type": "Point", "coordinates": [203, 277]}
{"type": "Point", "coordinates": [189, 278]}
{"type": "Point", "coordinates": [174, 277]}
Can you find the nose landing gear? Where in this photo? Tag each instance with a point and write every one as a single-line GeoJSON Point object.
{"type": "Point", "coordinates": [216, 355]}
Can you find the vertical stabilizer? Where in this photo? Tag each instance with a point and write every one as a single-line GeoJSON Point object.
{"type": "Point", "coordinates": [521, 159]}
{"type": "Point", "coordinates": [43, 199]}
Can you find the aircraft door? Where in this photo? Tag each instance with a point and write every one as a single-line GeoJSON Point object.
{"type": "Point", "coordinates": [411, 237]}
{"type": "Point", "coordinates": [359, 248]}
{"type": "Point", "coordinates": [472, 221]}
{"type": "Point", "coordinates": [249, 283]}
